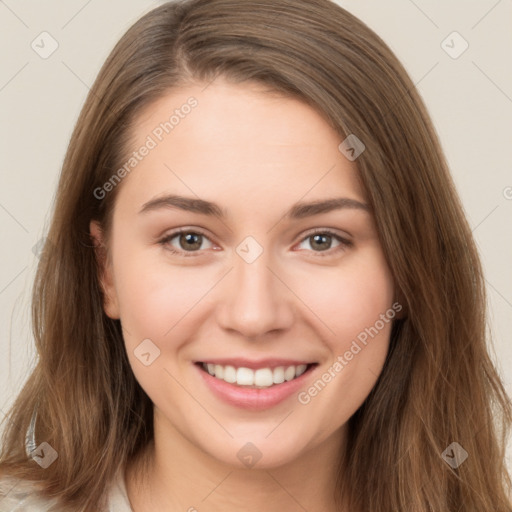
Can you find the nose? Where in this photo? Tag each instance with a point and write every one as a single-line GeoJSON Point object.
{"type": "Point", "coordinates": [255, 299]}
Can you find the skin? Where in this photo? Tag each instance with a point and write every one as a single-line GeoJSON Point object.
{"type": "Point", "coordinates": [255, 154]}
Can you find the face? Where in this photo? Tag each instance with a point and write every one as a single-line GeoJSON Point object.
{"type": "Point", "coordinates": [216, 258]}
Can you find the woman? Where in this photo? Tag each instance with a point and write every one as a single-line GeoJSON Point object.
{"type": "Point", "coordinates": [200, 346]}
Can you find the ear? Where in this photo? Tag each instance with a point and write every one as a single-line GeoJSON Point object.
{"type": "Point", "coordinates": [105, 274]}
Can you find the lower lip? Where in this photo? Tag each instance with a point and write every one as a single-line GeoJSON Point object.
{"type": "Point", "coordinates": [252, 398]}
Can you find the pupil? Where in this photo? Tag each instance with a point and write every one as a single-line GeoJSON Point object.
{"type": "Point", "coordinates": [193, 241]}
{"type": "Point", "coordinates": [318, 238]}
{"type": "Point", "coordinates": [190, 243]}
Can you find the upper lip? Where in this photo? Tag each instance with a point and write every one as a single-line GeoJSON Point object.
{"type": "Point", "coordinates": [240, 362]}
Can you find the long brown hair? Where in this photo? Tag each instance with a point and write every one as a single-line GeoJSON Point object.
{"type": "Point", "coordinates": [438, 385]}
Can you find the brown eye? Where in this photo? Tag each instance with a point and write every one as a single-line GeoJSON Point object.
{"type": "Point", "coordinates": [188, 241]}
{"type": "Point", "coordinates": [322, 241]}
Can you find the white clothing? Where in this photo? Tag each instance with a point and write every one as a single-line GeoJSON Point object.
{"type": "Point", "coordinates": [20, 496]}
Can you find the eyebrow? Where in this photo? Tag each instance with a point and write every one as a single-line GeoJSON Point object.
{"type": "Point", "coordinates": [299, 210]}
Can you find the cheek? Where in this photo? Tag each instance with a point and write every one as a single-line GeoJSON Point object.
{"type": "Point", "coordinates": [349, 298]}
{"type": "Point", "coordinates": [156, 302]}
{"type": "Point", "coordinates": [154, 296]}
{"type": "Point", "coordinates": [356, 304]}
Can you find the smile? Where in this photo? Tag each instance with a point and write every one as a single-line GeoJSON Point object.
{"type": "Point", "coordinates": [262, 387]}
{"type": "Point", "coordinates": [260, 378]}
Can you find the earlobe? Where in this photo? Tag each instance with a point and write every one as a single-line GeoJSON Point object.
{"type": "Point", "coordinates": [105, 277]}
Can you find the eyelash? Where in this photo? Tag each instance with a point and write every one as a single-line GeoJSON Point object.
{"type": "Point", "coordinates": [344, 243]}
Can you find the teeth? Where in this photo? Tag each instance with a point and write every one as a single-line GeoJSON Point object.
{"type": "Point", "coordinates": [245, 377]}
{"type": "Point", "coordinates": [260, 378]}
{"type": "Point", "coordinates": [300, 369]}
{"type": "Point", "coordinates": [278, 375]}
{"type": "Point", "coordinates": [218, 371]}
{"type": "Point", "coordinates": [264, 377]}
{"type": "Point", "coordinates": [229, 374]}
{"type": "Point", "coordinates": [289, 373]}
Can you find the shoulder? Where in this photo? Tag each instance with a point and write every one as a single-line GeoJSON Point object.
{"type": "Point", "coordinates": [19, 495]}
{"type": "Point", "coordinates": [118, 497]}
{"type": "Point", "coordinates": [22, 496]}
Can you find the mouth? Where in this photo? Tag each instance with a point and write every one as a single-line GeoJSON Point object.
{"type": "Point", "coordinates": [267, 376]}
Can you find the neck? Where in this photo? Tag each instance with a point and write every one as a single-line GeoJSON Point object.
{"type": "Point", "coordinates": [174, 474]}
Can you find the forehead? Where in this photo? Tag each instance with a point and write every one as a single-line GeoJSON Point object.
{"type": "Point", "coordinates": [237, 138]}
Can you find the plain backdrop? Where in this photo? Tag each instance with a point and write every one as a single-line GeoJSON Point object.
{"type": "Point", "coordinates": [464, 77]}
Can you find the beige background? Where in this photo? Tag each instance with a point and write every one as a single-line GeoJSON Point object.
{"type": "Point", "coordinates": [469, 97]}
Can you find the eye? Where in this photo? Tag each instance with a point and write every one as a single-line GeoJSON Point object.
{"type": "Point", "coordinates": [188, 242]}
{"type": "Point", "coordinates": [322, 240]}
